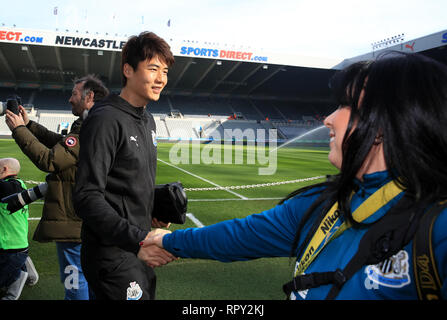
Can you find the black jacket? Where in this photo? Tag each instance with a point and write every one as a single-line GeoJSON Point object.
{"type": "Point", "coordinates": [8, 187]}
{"type": "Point", "coordinates": [115, 180]}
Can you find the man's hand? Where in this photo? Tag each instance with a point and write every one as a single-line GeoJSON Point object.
{"type": "Point", "coordinates": [154, 239]}
{"type": "Point", "coordinates": [155, 232]}
{"type": "Point", "coordinates": [160, 224]}
{"type": "Point", "coordinates": [24, 115]}
{"type": "Point", "coordinates": [13, 120]}
{"type": "Point", "coordinates": [154, 256]}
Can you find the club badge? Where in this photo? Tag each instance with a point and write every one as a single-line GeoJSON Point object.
{"type": "Point", "coordinates": [392, 272]}
{"type": "Point", "coordinates": [134, 292]}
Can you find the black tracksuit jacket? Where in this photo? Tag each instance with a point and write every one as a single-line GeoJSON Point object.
{"type": "Point", "coordinates": [115, 178]}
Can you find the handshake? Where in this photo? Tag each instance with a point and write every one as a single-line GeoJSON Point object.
{"type": "Point", "coordinates": [151, 249]}
{"type": "Point", "coordinates": [170, 205]}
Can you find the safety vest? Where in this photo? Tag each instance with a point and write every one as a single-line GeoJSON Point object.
{"type": "Point", "coordinates": [14, 227]}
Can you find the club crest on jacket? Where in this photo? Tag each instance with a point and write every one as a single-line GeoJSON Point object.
{"type": "Point", "coordinates": [134, 292]}
{"type": "Point", "coordinates": [392, 272]}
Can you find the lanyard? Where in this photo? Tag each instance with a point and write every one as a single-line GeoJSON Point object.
{"type": "Point", "coordinates": [331, 226]}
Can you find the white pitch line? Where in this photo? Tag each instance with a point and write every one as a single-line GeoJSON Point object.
{"type": "Point", "coordinates": [195, 220]}
{"type": "Point", "coordinates": [248, 199]}
{"type": "Point", "coordinates": [203, 179]}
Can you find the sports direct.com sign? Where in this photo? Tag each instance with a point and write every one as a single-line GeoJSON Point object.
{"type": "Point", "coordinates": [19, 36]}
{"type": "Point", "coordinates": [179, 48]}
{"type": "Point", "coordinates": [222, 54]}
{"type": "Point", "coordinates": [87, 41]}
{"type": "Point", "coordinates": [49, 38]}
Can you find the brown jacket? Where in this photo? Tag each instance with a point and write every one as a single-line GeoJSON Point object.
{"type": "Point", "coordinates": [57, 154]}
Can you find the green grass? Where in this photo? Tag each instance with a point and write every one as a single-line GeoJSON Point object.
{"type": "Point", "coordinates": [199, 279]}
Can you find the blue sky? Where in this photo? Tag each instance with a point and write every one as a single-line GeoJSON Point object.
{"type": "Point", "coordinates": [336, 29]}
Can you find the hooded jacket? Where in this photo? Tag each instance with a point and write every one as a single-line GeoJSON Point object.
{"type": "Point", "coordinates": [57, 154]}
{"type": "Point", "coordinates": [115, 179]}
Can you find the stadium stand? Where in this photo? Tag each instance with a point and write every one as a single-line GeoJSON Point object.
{"type": "Point", "coordinates": [246, 108]}
{"type": "Point", "coordinates": [161, 107]}
{"type": "Point", "coordinates": [181, 128]}
{"type": "Point", "coordinates": [244, 129]}
{"type": "Point", "coordinates": [162, 130]}
{"type": "Point", "coordinates": [196, 105]}
{"type": "Point", "coordinates": [4, 130]}
{"type": "Point", "coordinates": [211, 128]}
{"type": "Point", "coordinates": [52, 99]}
{"type": "Point", "coordinates": [204, 95]}
{"type": "Point", "coordinates": [200, 117]}
{"type": "Point", "coordinates": [268, 109]}
{"type": "Point", "coordinates": [25, 94]}
{"type": "Point", "coordinates": [55, 121]}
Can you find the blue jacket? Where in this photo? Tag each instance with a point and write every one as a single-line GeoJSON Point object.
{"type": "Point", "coordinates": [271, 233]}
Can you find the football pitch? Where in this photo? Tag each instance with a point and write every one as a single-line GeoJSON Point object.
{"type": "Point", "coordinates": [203, 177]}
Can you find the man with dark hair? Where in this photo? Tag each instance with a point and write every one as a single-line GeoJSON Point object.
{"type": "Point", "coordinates": [58, 154]}
{"type": "Point", "coordinates": [115, 181]}
{"type": "Point", "coordinates": [86, 91]}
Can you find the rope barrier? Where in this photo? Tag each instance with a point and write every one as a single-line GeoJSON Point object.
{"type": "Point", "coordinates": [249, 186]}
{"type": "Point", "coordinates": [255, 185]}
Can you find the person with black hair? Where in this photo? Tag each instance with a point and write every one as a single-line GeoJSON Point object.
{"type": "Point", "coordinates": [353, 236]}
{"type": "Point", "coordinates": [115, 182]}
{"type": "Point", "coordinates": [58, 154]}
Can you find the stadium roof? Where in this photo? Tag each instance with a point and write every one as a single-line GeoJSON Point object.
{"type": "Point", "coordinates": [433, 45]}
{"type": "Point", "coordinates": [51, 60]}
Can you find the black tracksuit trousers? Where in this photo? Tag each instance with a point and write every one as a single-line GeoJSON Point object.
{"type": "Point", "coordinates": [116, 274]}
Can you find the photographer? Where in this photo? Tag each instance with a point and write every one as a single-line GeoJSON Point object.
{"type": "Point", "coordinates": [57, 154]}
{"type": "Point", "coordinates": [13, 234]}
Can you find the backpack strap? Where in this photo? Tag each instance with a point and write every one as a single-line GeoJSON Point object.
{"type": "Point", "coordinates": [313, 280]}
{"type": "Point", "coordinates": [383, 239]}
{"type": "Point", "coordinates": [426, 275]}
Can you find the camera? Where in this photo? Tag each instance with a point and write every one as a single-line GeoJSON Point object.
{"type": "Point", "coordinates": [18, 200]}
{"type": "Point", "coordinates": [12, 104]}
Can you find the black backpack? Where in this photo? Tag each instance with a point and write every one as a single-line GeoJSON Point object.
{"type": "Point", "coordinates": [384, 239]}
{"type": "Point", "coordinates": [170, 203]}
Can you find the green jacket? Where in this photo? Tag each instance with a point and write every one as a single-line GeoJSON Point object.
{"type": "Point", "coordinates": [57, 154]}
{"type": "Point", "coordinates": [14, 227]}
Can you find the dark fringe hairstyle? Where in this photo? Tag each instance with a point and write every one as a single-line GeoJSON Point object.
{"type": "Point", "coordinates": [144, 46]}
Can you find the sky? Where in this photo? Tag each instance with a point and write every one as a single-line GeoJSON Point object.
{"type": "Point", "coordinates": [319, 28]}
